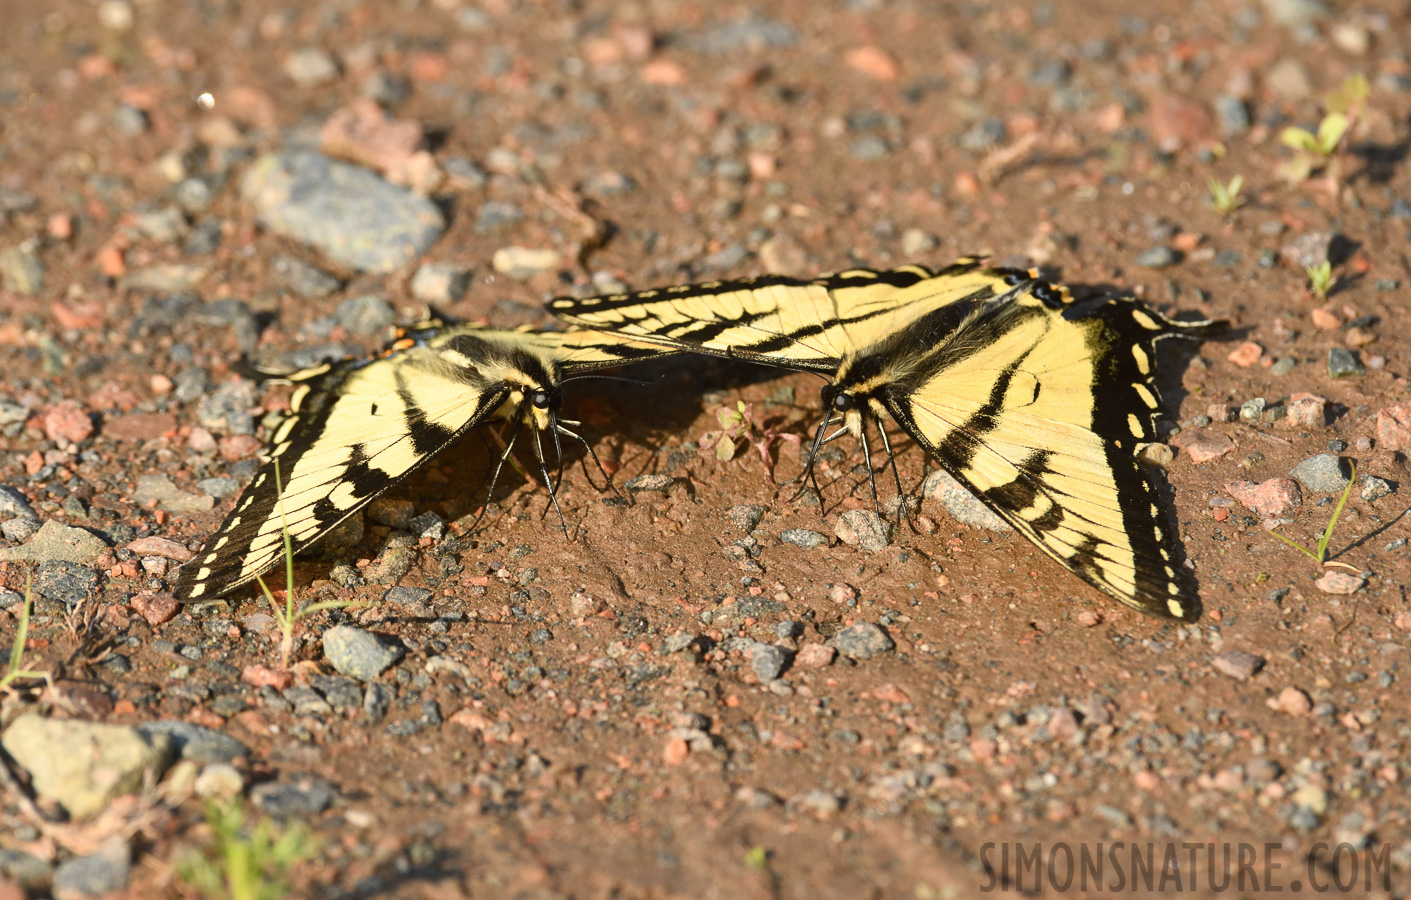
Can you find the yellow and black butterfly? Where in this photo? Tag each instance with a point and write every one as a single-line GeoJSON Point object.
{"type": "Point", "coordinates": [1037, 404]}
{"type": "Point", "coordinates": [358, 427]}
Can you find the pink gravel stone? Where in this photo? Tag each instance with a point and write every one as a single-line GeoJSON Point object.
{"type": "Point", "coordinates": [1271, 499]}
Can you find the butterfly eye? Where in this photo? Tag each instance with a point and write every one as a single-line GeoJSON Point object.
{"type": "Point", "coordinates": [540, 399]}
{"type": "Point", "coordinates": [843, 402]}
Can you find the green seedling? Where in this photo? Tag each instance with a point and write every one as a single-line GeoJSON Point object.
{"type": "Point", "coordinates": [15, 669]}
{"type": "Point", "coordinates": [1320, 556]}
{"type": "Point", "coordinates": [1320, 278]}
{"type": "Point", "coordinates": [1226, 197]}
{"type": "Point", "coordinates": [1318, 150]}
{"type": "Point", "coordinates": [738, 427]}
{"type": "Point", "coordinates": [289, 616]}
{"type": "Point", "coordinates": [245, 863]}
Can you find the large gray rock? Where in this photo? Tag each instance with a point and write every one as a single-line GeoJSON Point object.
{"type": "Point", "coordinates": [357, 653]}
{"type": "Point", "coordinates": [348, 212]}
{"type": "Point", "coordinates": [84, 765]}
{"type": "Point", "coordinates": [959, 502]}
{"type": "Point", "coordinates": [57, 542]}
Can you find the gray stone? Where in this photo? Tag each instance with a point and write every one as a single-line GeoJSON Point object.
{"type": "Point", "coordinates": [982, 136]}
{"type": "Point", "coordinates": [218, 487]}
{"type": "Point", "coordinates": [406, 596]}
{"type": "Point", "coordinates": [915, 242]}
{"type": "Point", "coordinates": [357, 653]}
{"type": "Point", "coordinates": [348, 212]}
{"type": "Point", "coordinates": [165, 225]}
{"type": "Point", "coordinates": [767, 661]}
{"type": "Point", "coordinates": [804, 537]}
{"type": "Point", "coordinates": [196, 742]}
{"type": "Point", "coordinates": [1374, 488]}
{"type": "Point", "coordinates": [746, 517]}
{"type": "Point", "coordinates": [523, 263]}
{"type": "Point", "coordinates": [1158, 258]}
{"type": "Point", "coordinates": [377, 700]}
{"type": "Point", "coordinates": [1296, 13]}
{"type": "Point", "coordinates": [65, 582]}
{"type": "Point", "coordinates": [18, 530]}
{"type": "Point", "coordinates": [1052, 72]}
{"type": "Point", "coordinates": [1343, 363]}
{"type": "Point", "coordinates": [21, 269]}
{"type": "Point", "coordinates": [99, 873]}
{"type": "Point", "coordinates": [962, 505]}
{"type": "Point", "coordinates": [227, 408]}
{"type": "Point", "coordinates": [1238, 664]}
{"type": "Point", "coordinates": [441, 282]}
{"type": "Point", "coordinates": [1234, 115]}
{"type": "Point", "coordinates": [495, 214]}
{"type": "Point", "coordinates": [168, 496]}
{"type": "Point", "coordinates": [56, 542]}
{"type": "Point", "coordinates": [644, 483]}
{"type": "Point", "coordinates": [341, 693]}
{"type": "Point", "coordinates": [869, 147]}
{"type": "Point", "coordinates": [753, 35]}
{"type": "Point", "coordinates": [13, 502]}
{"type": "Point", "coordinates": [365, 314]}
{"type": "Point", "coordinates": [84, 765]}
{"type": "Point", "coordinates": [298, 799]}
{"type": "Point", "coordinates": [863, 640]}
{"type": "Point", "coordinates": [1323, 473]}
{"type": "Point", "coordinates": [862, 528]}
{"type": "Point", "coordinates": [310, 67]}
{"type": "Point", "coordinates": [465, 172]}
{"type": "Point", "coordinates": [303, 279]}
{"type": "Point", "coordinates": [26, 870]}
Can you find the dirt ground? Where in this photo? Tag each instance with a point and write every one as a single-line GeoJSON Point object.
{"type": "Point", "coordinates": [585, 717]}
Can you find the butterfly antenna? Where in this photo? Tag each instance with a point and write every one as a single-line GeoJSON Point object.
{"type": "Point", "coordinates": [902, 499]}
{"type": "Point", "coordinates": [494, 480]}
{"type": "Point", "coordinates": [548, 482]}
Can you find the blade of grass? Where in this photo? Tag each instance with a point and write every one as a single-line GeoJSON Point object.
{"type": "Point", "coordinates": [1297, 546]}
{"type": "Point", "coordinates": [1337, 511]}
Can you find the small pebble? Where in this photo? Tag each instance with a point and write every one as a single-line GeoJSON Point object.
{"type": "Point", "coordinates": [358, 653]}
{"type": "Point", "coordinates": [767, 661]}
{"type": "Point", "coordinates": [1334, 581]}
{"type": "Point", "coordinates": [441, 282]}
{"type": "Point", "coordinates": [1158, 258]}
{"type": "Point", "coordinates": [1238, 664]}
{"type": "Point", "coordinates": [1294, 702]}
{"type": "Point", "coordinates": [745, 517]}
{"type": "Point", "coordinates": [861, 528]}
{"type": "Point", "coordinates": [862, 640]}
{"type": "Point", "coordinates": [804, 537]}
{"type": "Point", "coordinates": [646, 483]}
{"type": "Point", "coordinates": [1324, 473]}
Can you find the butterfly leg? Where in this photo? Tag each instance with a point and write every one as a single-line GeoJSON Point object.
{"type": "Point", "coordinates": [902, 504]}
{"type": "Point", "coordinates": [591, 452]}
{"type": "Point", "coordinates": [871, 473]}
{"type": "Point", "coordinates": [548, 481]}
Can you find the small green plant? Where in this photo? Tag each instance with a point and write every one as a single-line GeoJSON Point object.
{"type": "Point", "coordinates": [1226, 197]}
{"type": "Point", "coordinates": [1321, 555]}
{"type": "Point", "coordinates": [245, 863]}
{"type": "Point", "coordinates": [290, 615]}
{"type": "Point", "coordinates": [1318, 150]}
{"type": "Point", "coordinates": [15, 669]}
{"type": "Point", "coordinates": [739, 427]}
{"type": "Point", "coordinates": [1320, 278]}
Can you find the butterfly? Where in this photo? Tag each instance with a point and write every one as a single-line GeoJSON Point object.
{"type": "Point", "coordinates": [358, 427]}
{"type": "Point", "coordinates": [1038, 404]}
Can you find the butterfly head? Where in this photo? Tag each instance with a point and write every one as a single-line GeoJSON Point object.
{"type": "Point", "coordinates": [539, 405]}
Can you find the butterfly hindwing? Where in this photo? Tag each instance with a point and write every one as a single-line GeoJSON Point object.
{"type": "Point", "coordinates": [1044, 418]}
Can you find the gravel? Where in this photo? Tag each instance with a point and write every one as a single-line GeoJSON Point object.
{"type": "Point", "coordinates": [305, 280]}
{"type": "Point", "coordinates": [365, 314]}
{"type": "Point", "coordinates": [646, 483]}
{"type": "Point", "coordinates": [962, 505]}
{"type": "Point", "coordinates": [441, 282]}
{"type": "Point", "coordinates": [863, 640]}
{"type": "Point", "coordinates": [1374, 488]}
{"type": "Point", "coordinates": [357, 653]}
{"type": "Point", "coordinates": [84, 765]}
